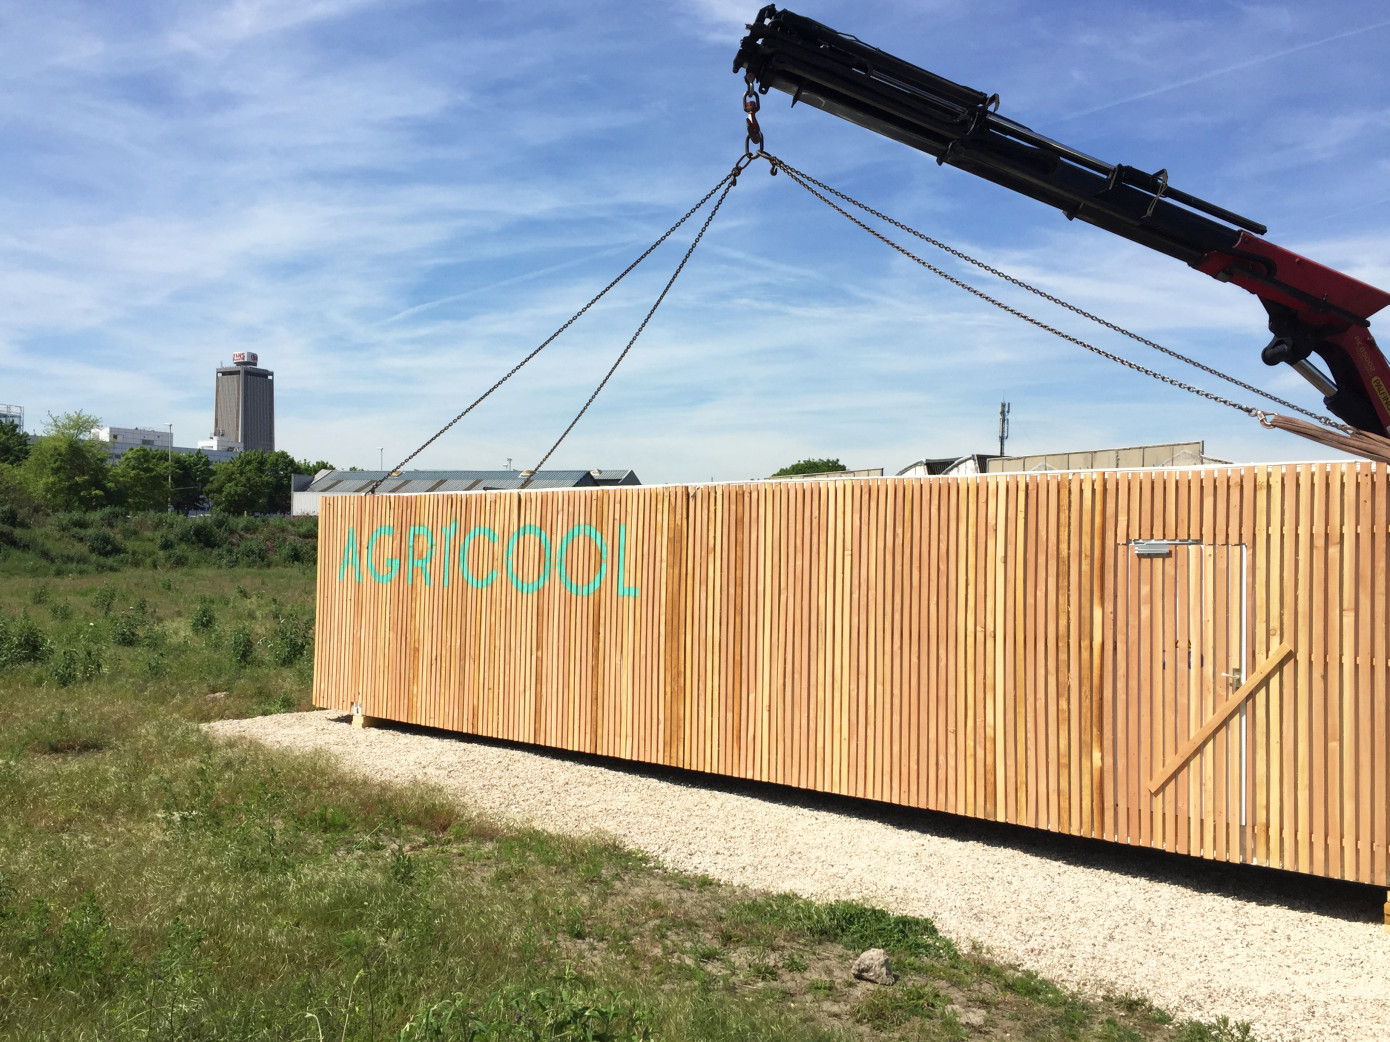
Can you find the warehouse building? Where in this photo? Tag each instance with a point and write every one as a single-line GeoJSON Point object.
{"type": "Point", "coordinates": [306, 491]}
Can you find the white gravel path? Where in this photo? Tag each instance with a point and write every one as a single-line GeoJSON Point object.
{"type": "Point", "coordinates": [1295, 975]}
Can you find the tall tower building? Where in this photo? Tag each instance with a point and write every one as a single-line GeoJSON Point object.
{"type": "Point", "coordinates": [244, 404]}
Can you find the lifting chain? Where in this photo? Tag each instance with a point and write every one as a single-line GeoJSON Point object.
{"type": "Point", "coordinates": [751, 104]}
{"type": "Point", "coordinates": [725, 183]}
{"type": "Point", "coordinates": [807, 178]}
{"type": "Point", "coordinates": [806, 182]}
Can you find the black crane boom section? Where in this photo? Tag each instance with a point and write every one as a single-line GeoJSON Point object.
{"type": "Point", "coordinates": [960, 126]}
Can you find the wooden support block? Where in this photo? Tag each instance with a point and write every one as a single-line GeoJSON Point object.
{"type": "Point", "coordinates": [1387, 911]}
{"type": "Point", "coordinates": [362, 720]}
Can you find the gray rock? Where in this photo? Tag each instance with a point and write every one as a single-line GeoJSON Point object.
{"type": "Point", "coordinates": [974, 1018]}
{"type": "Point", "coordinates": [873, 966]}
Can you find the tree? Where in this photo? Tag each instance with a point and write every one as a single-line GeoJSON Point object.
{"type": "Point", "coordinates": [14, 443]}
{"type": "Point", "coordinates": [305, 467]}
{"type": "Point", "coordinates": [254, 482]}
{"type": "Point", "coordinates": [16, 501]}
{"type": "Point", "coordinates": [810, 466]}
{"type": "Point", "coordinates": [140, 479]}
{"type": "Point", "coordinates": [67, 473]}
{"type": "Point", "coordinates": [192, 472]}
{"type": "Point", "coordinates": [77, 424]}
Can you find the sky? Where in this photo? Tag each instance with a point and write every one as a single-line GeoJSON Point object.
{"type": "Point", "coordinates": [393, 203]}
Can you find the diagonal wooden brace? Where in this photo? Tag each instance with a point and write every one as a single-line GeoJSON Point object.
{"type": "Point", "coordinates": [1223, 713]}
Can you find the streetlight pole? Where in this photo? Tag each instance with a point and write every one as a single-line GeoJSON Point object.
{"type": "Point", "coordinates": [169, 500]}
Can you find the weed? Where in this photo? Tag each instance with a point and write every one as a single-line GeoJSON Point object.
{"type": "Point", "coordinates": [1219, 1030]}
{"type": "Point", "coordinates": [761, 971]}
{"type": "Point", "coordinates": [60, 610]}
{"type": "Point", "coordinates": [125, 630]}
{"type": "Point", "coordinates": [280, 702]}
{"type": "Point", "coordinates": [1112, 1030]}
{"type": "Point", "coordinates": [203, 617]}
{"type": "Point", "coordinates": [572, 923]}
{"type": "Point", "coordinates": [39, 594]}
{"type": "Point", "coordinates": [402, 868]}
{"type": "Point", "coordinates": [567, 1013]}
{"type": "Point", "coordinates": [21, 642]}
{"type": "Point", "coordinates": [1140, 1006]}
{"type": "Point", "coordinates": [104, 598]}
{"type": "Point", "coordinates": [888, 1008]}
{"type": "Point", "coordinates": [241, 645]}
{"type": "Point", "coordinates": [290, 640]}
{"type": "Point", "coordinates": [73, 664]}
{"type": "Point", "coordinates": [794, 963]}
{"type": "Point", "coordinates": [848, 923]}
{"type": "Point", "coordinates": [702, 952]}
{"type": "Point", "coordinates": [60, 733]}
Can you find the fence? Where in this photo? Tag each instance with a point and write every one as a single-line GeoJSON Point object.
{"type": "Point", "coordinates": [1189, 660]}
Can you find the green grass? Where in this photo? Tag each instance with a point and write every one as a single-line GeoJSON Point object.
{"type": "Point", "coordinates": [155, 884]}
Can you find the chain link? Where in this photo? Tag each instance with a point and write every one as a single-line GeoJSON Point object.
{"type": "Point", "coordinates": [806, 182]}
{"type": "Point", "coordinates": [725, 183]}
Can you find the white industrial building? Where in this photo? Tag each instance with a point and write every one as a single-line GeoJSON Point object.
{"type": "Point", "coordinates": [117, 440]}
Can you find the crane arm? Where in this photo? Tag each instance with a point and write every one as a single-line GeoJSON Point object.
{"type": "Point", "coordinates": [1312, 308]}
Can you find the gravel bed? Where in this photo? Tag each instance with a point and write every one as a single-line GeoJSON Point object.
{"type": "Point", "coordinates": [1124, 922]}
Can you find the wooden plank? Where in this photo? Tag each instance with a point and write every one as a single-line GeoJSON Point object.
{"type": "Point", "coordinates": [1220, 716]}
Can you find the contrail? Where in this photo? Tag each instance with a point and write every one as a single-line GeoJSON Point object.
{"type": "Point", "coordinates": [524, 277]}
{"type": "Point", "coordinates": [1228, 69]}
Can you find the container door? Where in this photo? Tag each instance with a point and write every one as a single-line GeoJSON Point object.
{"type": "Point", "coordinates": [1185, 653]}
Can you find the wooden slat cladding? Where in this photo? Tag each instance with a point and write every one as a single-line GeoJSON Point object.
{"type": "Point", "coordinates": [1011, 647]}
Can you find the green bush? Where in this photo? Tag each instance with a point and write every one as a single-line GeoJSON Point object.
{"type": "Point", "coordinates": [21, 642]}
{"type": "Point", "coordinates": [241, 645]}
{"type": "Point", "coordinates": [104, 544]}
{"type": "Point", "coordinates": [125, 630]}
{"type": "Point", "coordinates": [103, 599]}
{"type": "Point", "coordinates": [290, 640]}
{"type": "Point", "coordinates": [75, 663]}
{"type": "Point", "coordinates": [203, 617]}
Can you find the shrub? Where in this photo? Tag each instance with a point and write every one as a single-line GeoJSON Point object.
{"type": "Point", "coordinates": [9, 515]}
{"type": "Point", "coordinates": [76, 663]}
{"type": "Point", "coordinates": [21, 641]}
{"type": "Point", "coordinates": [289, 640]}
{"type": "Point", "coordinates": [71, 521]}
{"type": "Point", "coordinates": [241, 645]}
{"type": "Point", "coordinates": [203, 617]}
{"type": "Point", "coordinates": [103, 544]}
{"type": "Point", "coordinates": [125, 630]}
{"type": "Point", "coordinates": [104, 597]}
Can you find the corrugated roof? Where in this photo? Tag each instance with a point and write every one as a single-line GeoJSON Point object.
{"type": "Point", "coordinates": [356, 482]}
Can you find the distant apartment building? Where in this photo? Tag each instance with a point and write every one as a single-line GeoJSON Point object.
{"type": "Point", "coordinates": [12, 414]}
{"type": "Point", "coordinates": [244, 405]}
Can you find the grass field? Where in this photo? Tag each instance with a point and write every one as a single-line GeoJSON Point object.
{"type": "Point", "coordinates": [157, 885]}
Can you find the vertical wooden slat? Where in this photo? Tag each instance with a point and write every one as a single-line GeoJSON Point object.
{"type": "Point", "coordinates": [990, 646]}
